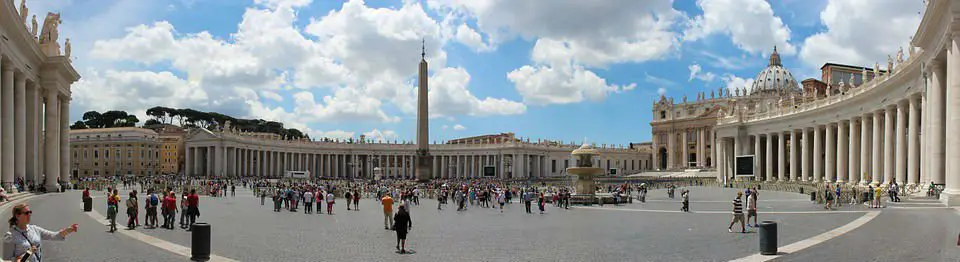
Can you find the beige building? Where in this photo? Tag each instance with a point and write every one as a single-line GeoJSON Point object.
{"type": "Point", "coordinates": [171, 147]}
{"type": "Point", "coordinates": [128, 151]}
{"type": "Point", "coordinates": [486, 139]}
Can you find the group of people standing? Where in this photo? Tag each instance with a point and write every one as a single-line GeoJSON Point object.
{"type": "Point", "coordinates": [189, 208]}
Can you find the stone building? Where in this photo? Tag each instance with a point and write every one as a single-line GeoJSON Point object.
{"type": "Point", "coordinates": [899, 126]}
{"type": "Point", "coordinates": [119, 151]}
{"type": "Point", "coordinates": [683, 133]}
{"type": "Point", "coordinates": [227, 153]}
{"type": "Point", "coordinates": [486, 139]}
{"type": "Point", "coordinates": [35, 79]}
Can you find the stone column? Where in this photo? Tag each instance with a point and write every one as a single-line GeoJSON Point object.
{"type": "Point", "coordinates": [877, 147]}
{"type": "Point", "coordinates": [701, 148]}
{"type": "Point", "coordinates": [830, 154]}
{"type": "Point", "coordinates": [781, 161]}
{"type": "Point", "coordinates": [889, 145]}
{"type": "Point", "coordinates": [721, 168]}
{"type": "Point", "coordinates": [32, 132]}
{"type": "Point", "coordinates": [805, 155]}
{"type": "Point", "coordinates": [794, 155]}
{"type": "Point", "coordinates": [768, 156]}
{"type": "Point", "coordinates": [685, 154]}
{"type": "Point", "coordinates": [935, 135]}
{"type": "Point", "coordinates": [952, 145]}
{"type": "Point", "coordinates": [671, 150]}
{"type": "Point", "coordinates": [853, 175]}
{"type": "Point", "coordinates": [20, 127]}
{"type": "Point", "coordinates": [65, 140]}
{"type": "Point", "coordinates": [187, 167]}
{"type": "Point", "coordinates": [818, 154]}
{"type": "Point", "coordinates": [865, 150]}
{"type": "Point", "coordinates": [758, 158]}
{"type": "Point", "coordinates": [6, 130]}
{"type": "Point", "coordinates": [842, 153]}
{"type": "Point", "coordinates": [51, 138]}
{"type": "Point", "coordinates": [913, 142]}
{"type": "Point", "coordinates": [901, 161]}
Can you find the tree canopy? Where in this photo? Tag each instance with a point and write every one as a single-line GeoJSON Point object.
{"type": "Point", "coordinates": [187, 117]}
{"type": "Point", "coordinates": [112, 118]}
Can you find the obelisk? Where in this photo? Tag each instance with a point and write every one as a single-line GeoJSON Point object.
{"type": "Point", "coordinates": [424, 163]}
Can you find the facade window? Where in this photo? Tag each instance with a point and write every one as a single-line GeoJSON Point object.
{"type": "Point", "coordinates": [553, 166]}
{"type": "Point", "coordinates": [663, 114]}
{"type": "Point", "coordinates": [566, 163]}
{"type": "Point", "coordinates": [96, 154]}
{"type": "Point", "coordinates": [106, 153]}
{"type": "Point", "coordinates": [129, 153]}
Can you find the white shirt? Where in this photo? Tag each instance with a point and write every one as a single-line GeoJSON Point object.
{"type": "Point", "coordinates": [308, 197]}
{"type": "Point", "coordinates": [330, 197]}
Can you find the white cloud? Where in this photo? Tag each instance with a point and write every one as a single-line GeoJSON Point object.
{"type": "Point", "coordinates": [543, 85]}
{"type": "Point", "coordinates": [271, 95]}
{"type": "Point", "coordinates": [470, 38]}
{"type": "Point", "coordinates": [695, 70]}
{"type": "Point", "coordinates": [332, 134]}
{"type": "Point", "coordinates": [661, 91]}
{"type": "Point", "coordinates": [594, 33]}
{"type": "Point", "coordinates": [657, 80]}
{"type": "Point", "coordinates": [381, 135]}
{"type": "Point", "coordinates": [449, 97]}
{"type": "Point", "coordinates": [363, 57]}
{"type": "Point", "coordinates": [852, 27]}
{"type": "Point", "coordinates": [459, 127]}
{"type": "Point", "coordinates": [750, 24]}
{"type": "Point", "coordinates": [733, 83]}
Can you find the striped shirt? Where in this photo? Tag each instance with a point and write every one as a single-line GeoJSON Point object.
{"type": "Point", "coordinates": [737, 206]}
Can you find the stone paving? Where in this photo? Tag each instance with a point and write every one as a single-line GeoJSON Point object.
{"type": "Point", "coordinates": [244, 230]}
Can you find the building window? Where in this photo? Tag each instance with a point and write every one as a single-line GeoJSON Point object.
{"type": "Point", "coordinates": [129, 153]}
{"type": "Point", "coordinates": [553, 166]}
{"type": "Point", "coordinates": [96, 154]}
{"type": "Point", "coordinates": [566, 163]}
{"type": "Point", "coordinates": [663, 114]}
{"type": "Point", "coordinates": [106, 153]}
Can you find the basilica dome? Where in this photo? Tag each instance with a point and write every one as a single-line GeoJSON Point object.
{"type": "Point", "coordinates": [775, 78]}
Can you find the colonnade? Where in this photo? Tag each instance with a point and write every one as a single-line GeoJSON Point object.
{"type": "Point", "coordinates": [34, 127]}
{"type": "Point", "coordinates": [878, 147]}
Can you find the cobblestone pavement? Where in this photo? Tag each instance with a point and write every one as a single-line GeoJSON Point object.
{"type": "Point", "coordinates": [651, 231]}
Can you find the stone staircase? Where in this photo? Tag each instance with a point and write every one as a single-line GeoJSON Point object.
{"type": "Point", "coordinates": [914, 202]}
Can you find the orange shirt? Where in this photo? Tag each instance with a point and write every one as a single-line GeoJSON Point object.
{"type": "Point", "coordinates": [387, 202]}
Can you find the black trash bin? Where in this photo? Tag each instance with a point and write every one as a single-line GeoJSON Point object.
{"type": "Point", "coordinates": [200, 242]}
{"type": "Point", "coordinates": [864, 197]}
{"type": "Point", "coordinates": [813, 196]}
{"type": "Point", "coordinates": [87, 204]}
{"type": "Point", "coordinates": [768, 238]}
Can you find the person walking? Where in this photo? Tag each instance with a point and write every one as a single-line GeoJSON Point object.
{"type": "Point", "coordinates": [152, 202]}
{"type": "Point", "coordinates": [402, 223]}
{"type": "Point", "coordinates": [828, 195]}
{"type": "Point", "coordinates": [752, 208]}
{"type": "Point", "coordinates": [308, 202]}
{"type": "Point", "coordinates": [330, 202]}
{"type": "Point", "coordinates": [356, 200]}
{"type": "Point", "coordinates": [527, 200]}
{"type": "Point", "coordinates": [737, 214]}
{"type": "Point", "coordinates": [26, 239]}
{"type": "Point", "coordinates": [263, 196]}
{"type": "Point", "coordinates": [387, 203]}
{"type": "Point", "coordinates": [501, 199]}
{"type": "Point", "coordinates": [319, 196]}
{"type": "Point", "coordinates": [685, 195]}
{"type": "Point", "coordinates": [541, 202]}
{"type": "Point", "coordinates": [878, 197]}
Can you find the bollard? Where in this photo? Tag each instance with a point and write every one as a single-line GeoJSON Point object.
{"type": "Point", "coordinates": [200, 242]}
{"type": "Point", "coordinates": [768, 238]}
{"type": "Point", "coordinates": [87, 204]}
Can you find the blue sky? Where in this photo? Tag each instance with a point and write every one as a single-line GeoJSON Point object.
{"type": "Point", "coordinates": [549, 69]}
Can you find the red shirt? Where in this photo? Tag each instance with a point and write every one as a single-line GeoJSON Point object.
{"type": "Point", "coordinates": [169, 203]}
{"type": "Point", "coordinates": [193, 200]}
{"type": "Point", "coordinates": [86, 193]}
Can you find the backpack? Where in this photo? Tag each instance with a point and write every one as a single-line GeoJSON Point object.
{"type": "Point", "coordinates": [154, 201]}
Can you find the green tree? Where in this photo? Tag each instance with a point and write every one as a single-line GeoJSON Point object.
{"type": "Point", "coordinates": [79, 125]}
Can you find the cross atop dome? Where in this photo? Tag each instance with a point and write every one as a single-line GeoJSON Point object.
{"type": "Point", "coordinates": [423, 49]}
{"type": "Point", "coordinates": [775, 58]}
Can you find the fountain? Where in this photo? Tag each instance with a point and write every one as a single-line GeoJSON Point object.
{"type": "Point", "coordinates": [585, 172]}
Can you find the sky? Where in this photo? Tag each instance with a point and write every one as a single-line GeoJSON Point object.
{"type": "Point", "coordinates": [565, 70]}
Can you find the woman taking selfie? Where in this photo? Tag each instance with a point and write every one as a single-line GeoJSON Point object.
{"type": "Point", "coordinates": [26, 238]}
